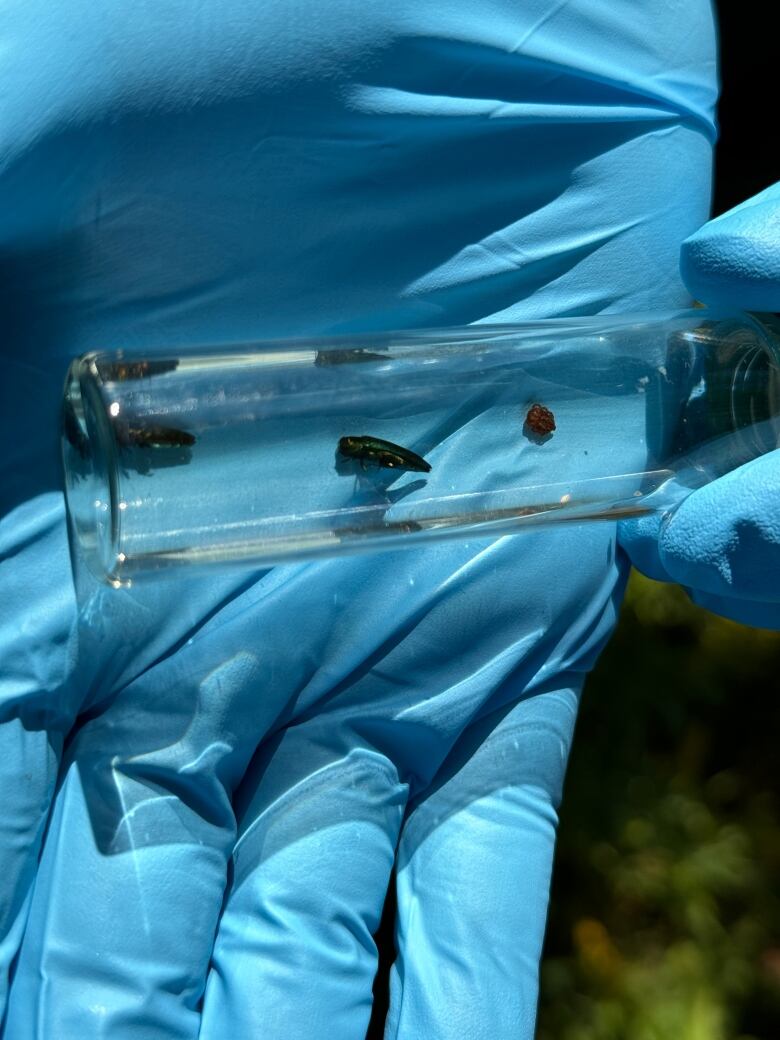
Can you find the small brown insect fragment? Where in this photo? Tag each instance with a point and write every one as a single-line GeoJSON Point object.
{"type": "Point", "coordinates": [540, 420]}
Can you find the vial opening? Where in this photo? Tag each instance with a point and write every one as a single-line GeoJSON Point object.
{"type": "Point", "coordinates": [755, 402]}
{"type": "Point", "coordinates": [91, 486]}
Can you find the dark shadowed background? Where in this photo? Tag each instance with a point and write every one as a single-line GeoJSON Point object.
{"type": "Point", "coordinates": [665, 914]}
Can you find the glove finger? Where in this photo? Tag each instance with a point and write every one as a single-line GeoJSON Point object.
{"type": "Point", "coordinates": [724, 539]}
{"type": "Point", "coordinates": [150, 915]}
{"type": "Point", "coordinates": [733, 261]}
{"type": "Point", "coordinates": [38, 615]}
{"type": "Point", "coordinates": [722, 543]}
{"type": "Point", "coordinates": [744, 612]}
{"type": "Point", "coordinates": [141, 833]}
{"type": "Point", "coordinates": [28, 770]}
{"type": "Point", "coordinates": [474, 870]}
{"type": "Point", "coordinates": [645, 554]}
{"type": "Point", "coordinates": [37, 645]}
{"type": "Point", "coordinates": [294, 956]}
{"type": "Point", "coordinates": [639, 539]}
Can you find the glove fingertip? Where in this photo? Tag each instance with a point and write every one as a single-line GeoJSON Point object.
{"type": "Point", "coordinates": [734, 260]}
{"type": "Point", "coordinates": [640, 540]}
{"type": "Point", "coordinates": [740, 611]}
{"type": "Point", "coordinates": [724, 539]}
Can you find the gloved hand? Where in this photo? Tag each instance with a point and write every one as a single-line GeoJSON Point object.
{"type": "Point", "coordinates": [723, 541]}
{"type": "Point", "coordinates": [232, 764]}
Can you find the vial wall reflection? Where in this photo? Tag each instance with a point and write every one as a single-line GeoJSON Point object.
{"type": "Point", "coordinates": [288, 450]}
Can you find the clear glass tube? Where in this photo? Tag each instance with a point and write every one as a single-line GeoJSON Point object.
{"type": "Point", "coordinates": [268, 452]}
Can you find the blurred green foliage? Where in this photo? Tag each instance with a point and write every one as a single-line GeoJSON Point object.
{"type": "Point", "coordinates": [665, 917]}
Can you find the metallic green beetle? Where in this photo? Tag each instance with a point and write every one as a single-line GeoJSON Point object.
{"type": "Point", "coordinates": [382, 453]}
{"type": "Point", "coordinates": [154, 436]}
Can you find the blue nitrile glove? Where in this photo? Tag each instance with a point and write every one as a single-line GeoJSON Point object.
{"type": "Point", "coordinates": [723, 541]}
{"type": "Point", "coordinates": [241, 759]}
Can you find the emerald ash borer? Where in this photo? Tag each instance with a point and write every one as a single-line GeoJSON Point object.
{"type": "Point", "coordinates": [325, 358]}
{"type": "Point", "coordinates": [154, 436]}
{"type": "Point", "coordinates": [121, 371]}
{"type": "Point", "coordinates": [382, 453]}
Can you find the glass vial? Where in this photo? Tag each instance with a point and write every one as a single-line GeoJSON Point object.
{"type": "Point", "coordinates": [288, 450]}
